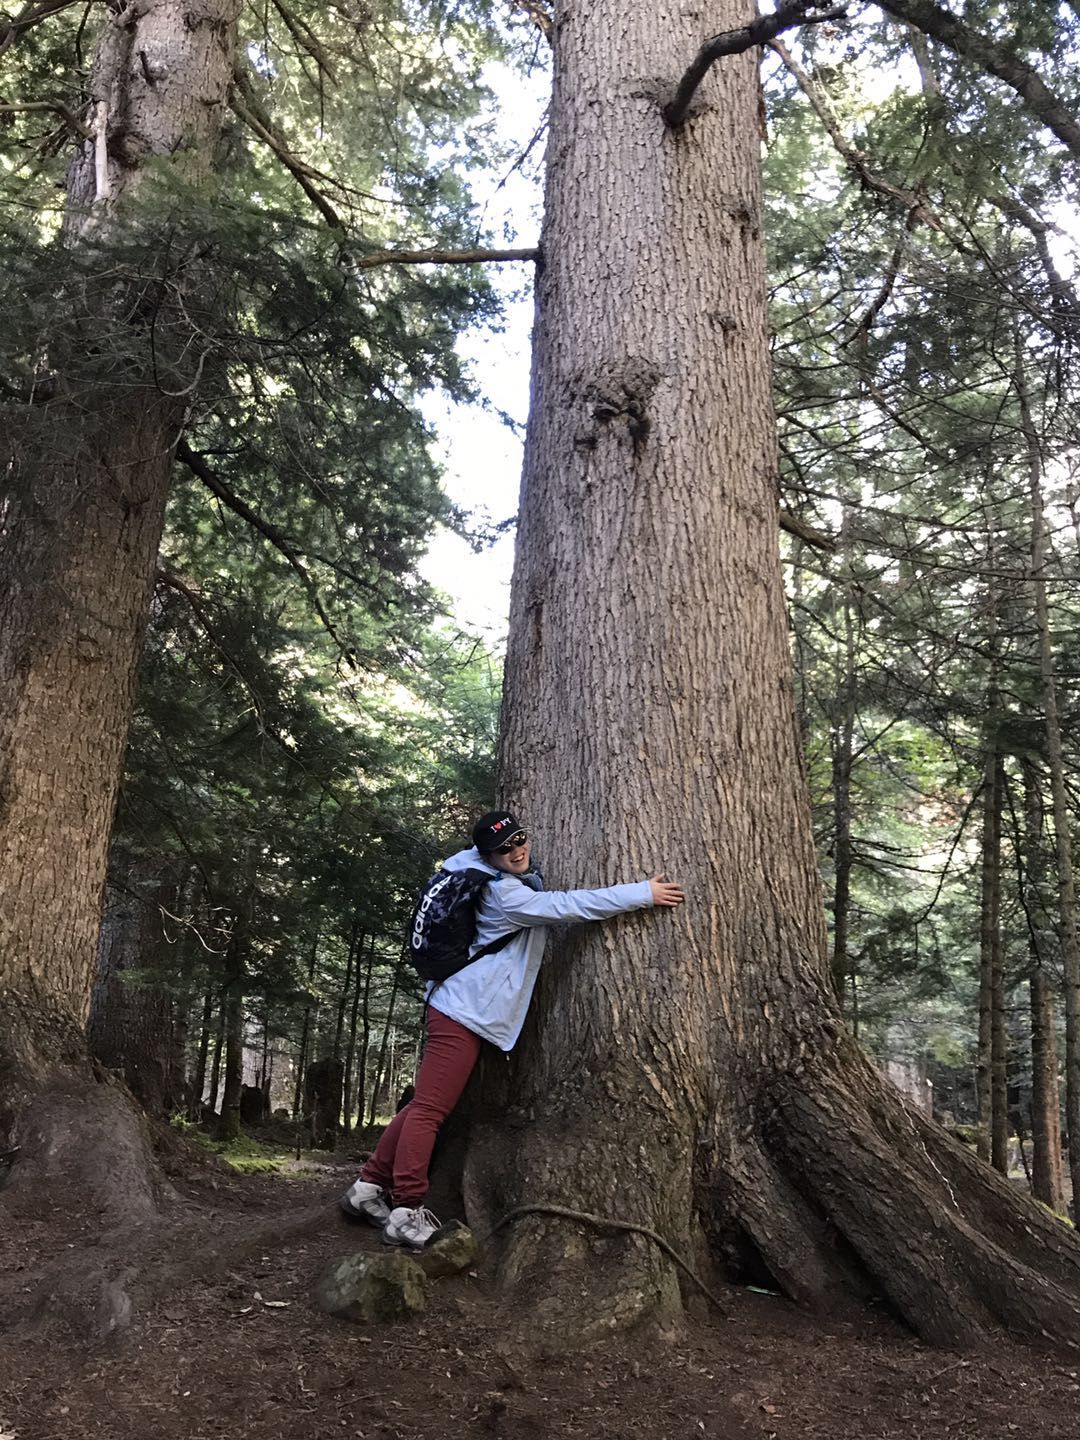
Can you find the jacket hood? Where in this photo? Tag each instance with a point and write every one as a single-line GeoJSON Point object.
{"type": "Point", "coordinates": [470, 859]}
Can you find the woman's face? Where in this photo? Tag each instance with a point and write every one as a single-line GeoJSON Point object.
{"type": "Point", "coordinates": [515, 861]}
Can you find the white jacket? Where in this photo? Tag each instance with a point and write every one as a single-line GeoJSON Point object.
{"type": "Point", "coordinates": [490, 996]}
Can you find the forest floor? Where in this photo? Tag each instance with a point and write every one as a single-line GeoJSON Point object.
{"type": "Point", "coordinates": [243, 1353]}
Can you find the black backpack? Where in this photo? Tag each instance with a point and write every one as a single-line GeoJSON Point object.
{"type": "Point", "coordinates": [443, 925]}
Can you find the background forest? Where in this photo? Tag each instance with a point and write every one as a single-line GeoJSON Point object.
{"type": "Point", "coordinates": [314, 728]}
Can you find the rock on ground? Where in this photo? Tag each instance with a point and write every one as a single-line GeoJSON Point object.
{"type": "Point", "coordinates": [377, 1289]}
{"type": "Point", "coordinates": [383, 1288]}
{"type": "Point", "coordinates": [451, 1249]}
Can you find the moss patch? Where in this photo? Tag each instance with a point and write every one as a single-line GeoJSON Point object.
{"type": "Point", "coordinates": [244, 1154]}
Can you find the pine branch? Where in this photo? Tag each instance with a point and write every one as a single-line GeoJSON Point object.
{"type": "Point", "coordinates": [201, 470]}
{"type": "Point", "coordinates": [28, 17]}
{"type": "Point", "coordinates": [541, 18]}
{"type": "Point", "coordinates": [195, 603]}
{"type": "Point", "coordinates": [51, 107]}
{"type": "Point", "coordinates": [255, 118]}
{"type": "Point", "coordinates": [247, 107]}
{"type": "Point", "coordinates": [306, 40]}
{"type": "Point", "coordinates": [1062, 294]}
{"type": "Point", "coordinates": [991, 55]}
{"type": "Point", "coordinates": [916, 205]}
{"type": "Point", "coordinates": [735, 42]}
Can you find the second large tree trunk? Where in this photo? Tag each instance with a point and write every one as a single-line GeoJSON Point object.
{"type": "Point", "coordinates": [77, 567]}
{"type": "Point", "coordinates": [688, 1071]}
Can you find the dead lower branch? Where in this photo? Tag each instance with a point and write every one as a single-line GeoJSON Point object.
{"type": "Point", "coordinates": [806, 533]}
{"type": "Point", "coordinates": [441, 257]}
{"type": "Point", "coordinates": [735, 42]}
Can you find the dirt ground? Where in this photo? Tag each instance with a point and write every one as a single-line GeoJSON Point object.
{"type": "Point", "coordinates": [243, 1353]}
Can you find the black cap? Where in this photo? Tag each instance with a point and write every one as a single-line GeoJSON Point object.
{"type": "Point", "coordinates": [493, 830]}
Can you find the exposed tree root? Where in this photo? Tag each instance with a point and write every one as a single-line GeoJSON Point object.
{"type": "Point", "coordinates": [604, 1222]}
{"type": "Point", "coordinates": [948, 1243]}
{"type": "Point", "coordinates": [837, 1191]}
{"type": "Point", "coordinates": [577, 1282]}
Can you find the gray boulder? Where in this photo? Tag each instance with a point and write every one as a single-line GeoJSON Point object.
{"type": "Point", "coordinates": [377, 1289]}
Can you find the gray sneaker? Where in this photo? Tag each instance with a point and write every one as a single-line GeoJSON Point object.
{"type": "Point", "coordinates": [364, 1201]}
{"type": "Point", "coordinates": [411, 1228]}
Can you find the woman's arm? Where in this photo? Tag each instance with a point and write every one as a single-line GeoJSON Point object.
{"type": "Point", "coordinates": [523, 907]}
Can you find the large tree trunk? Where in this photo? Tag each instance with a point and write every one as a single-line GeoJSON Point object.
{"type": "Point", "coordinates": [689, 1071]}
{"type": "Point", "coordinates": [77, 566]}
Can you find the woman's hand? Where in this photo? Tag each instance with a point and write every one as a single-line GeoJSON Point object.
{"type": "Point", "coordinates": [664, 892]}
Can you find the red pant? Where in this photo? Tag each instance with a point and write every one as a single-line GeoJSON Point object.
{"type": "Point", "coordinates": [402, 1156]}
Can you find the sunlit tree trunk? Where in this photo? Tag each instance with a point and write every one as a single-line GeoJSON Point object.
{"type": "Point", "coordinates": [993, 1117]}
{"type": "Point", "coordinates": [198, 1079]}
{"type": "Point", "coordinates": [1046, 1168]}
{"type": "Point", "coordinates": [356, 947]}
{"type": "Point", "coordinates": [365, 1039]}
{"type": "Point", "coordinates": [1070, 941]}
{"type": "Point", "coordinates": [841, 734]}
{"type": "Point", "coordinates": [306, 1030]}
{"type": "Point", "coordinates": [218, 1053]}
{"type": "Point", "coordinates": [380, 1063]}
{"type": "Point", "coordinates": [232, 1003]}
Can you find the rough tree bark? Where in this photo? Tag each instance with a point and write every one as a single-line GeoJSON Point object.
{"type": "Point", "coordinates": [79, 539]}
{"type": "Point", "coordinates": [690, 1072]}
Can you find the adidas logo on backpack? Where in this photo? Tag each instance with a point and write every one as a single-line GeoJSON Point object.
{"type": "Point", "coordinates": [443, 925]}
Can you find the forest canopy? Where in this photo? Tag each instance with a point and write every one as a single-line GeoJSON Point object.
{"type": "Point", "coordinates": [239, 251]}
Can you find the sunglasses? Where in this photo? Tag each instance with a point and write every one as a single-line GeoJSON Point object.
{"type": "Point", "coordinates": [518, 838]}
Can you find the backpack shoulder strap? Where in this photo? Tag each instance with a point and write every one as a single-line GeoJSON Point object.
{"type": "Point", "coordinates": [494, 946]}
